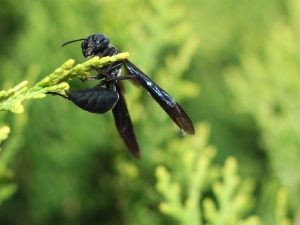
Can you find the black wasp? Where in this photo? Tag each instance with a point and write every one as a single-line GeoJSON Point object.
{"type": "Point", "coordinates": [108, 94]}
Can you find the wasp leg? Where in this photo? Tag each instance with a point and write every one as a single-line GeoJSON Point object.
{"type": "Point", "coordinates": [55, 93]}
{"type": "Point", "coordinates": [127, 77]}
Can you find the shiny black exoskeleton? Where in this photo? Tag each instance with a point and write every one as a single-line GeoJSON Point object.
{"type": "Point", "coordinates": [108, 94]}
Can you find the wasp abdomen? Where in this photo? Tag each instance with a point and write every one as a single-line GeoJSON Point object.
{"type": "Point", "coordinates": [95, 100]}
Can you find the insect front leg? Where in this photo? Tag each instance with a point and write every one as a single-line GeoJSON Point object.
{"type": "Point", "coordinates": [110, 68]}
{"type": "Point", "coordinates": [103, 72]}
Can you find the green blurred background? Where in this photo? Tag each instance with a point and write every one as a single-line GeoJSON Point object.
{"type": "Point", "coordinates": [232, 64]}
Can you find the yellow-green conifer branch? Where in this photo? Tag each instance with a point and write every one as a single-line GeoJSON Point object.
{"type": "Point", "coordinates": [12, 99]}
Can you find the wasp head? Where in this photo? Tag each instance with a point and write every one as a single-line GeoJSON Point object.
{"type": "Point", "coordinates": [92, 45]}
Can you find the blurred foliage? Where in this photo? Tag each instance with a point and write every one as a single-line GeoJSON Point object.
{"type": "Point", "coordinates": [267, 87]}
{"type": "Point", "coordinates": [70, 166]}
{"type": "Point", "coordinates": [200, 192]}
{"type": "Point", "coordinates": [4, 132]}
{"type": "Point", "coordinates": [6, 187]}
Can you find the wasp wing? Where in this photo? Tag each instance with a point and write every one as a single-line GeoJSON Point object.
{"type": "Point", "coordinates": [171, 107]}
{"type": "Point", "coordinates": [124, 124]}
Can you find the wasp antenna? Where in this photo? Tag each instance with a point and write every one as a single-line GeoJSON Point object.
{"type": "Point", "coordinates": [69, 42]}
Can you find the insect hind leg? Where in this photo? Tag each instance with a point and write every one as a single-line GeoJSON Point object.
{"type": "Point", "coordinates": [58, 94]}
